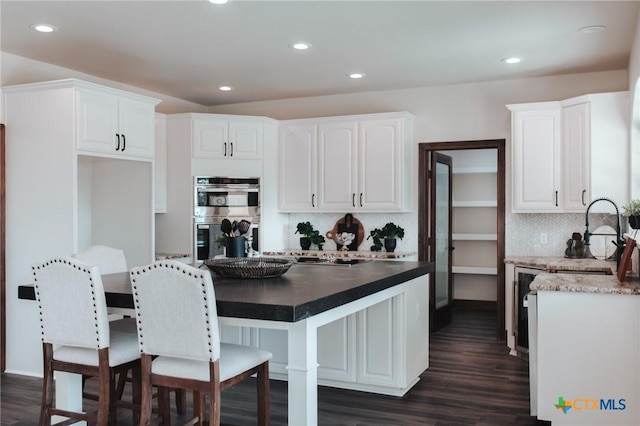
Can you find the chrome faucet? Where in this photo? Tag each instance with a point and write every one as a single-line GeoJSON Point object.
{"type": "Point", "coordinates": [620, 242]}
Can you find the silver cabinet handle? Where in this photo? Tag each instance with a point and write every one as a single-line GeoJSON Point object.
{"type": "Point", "coordinates": [313, 200]}
{"type": "Point", "coordinates": [353, 199]}
{"type": "Point", "coordinates": [225, 149]}
{"type": "Point", "coordinates": [584, 192]}
{"type": "Point", "coordinates": [361, 199]}
{"type": "Point", "coordinates": [231, 151]}
{"type": "Point", "coordinates": [118, 139]}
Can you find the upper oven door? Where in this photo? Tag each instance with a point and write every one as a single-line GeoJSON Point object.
{"type": "Point", "coordinates": [216, 202]}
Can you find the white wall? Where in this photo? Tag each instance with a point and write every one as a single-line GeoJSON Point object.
{"type": "Point", "coordinates": [634, 90]}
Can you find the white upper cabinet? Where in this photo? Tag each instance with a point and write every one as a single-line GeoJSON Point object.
{"type": "Point", "coordinates": [596, 136]}
{"type": "Point", "coordinates": [115, 124]}
{"type": "Point", "coordinates": [225, 138]}
{"type": "Point", "coordinates": [346, 163]}
{"type": "Point", "coordinates": [568, 153]}
{"type": "Point", "coordinates": [337, 165]}
{"type": "Point", "coordinates": [536, 152]}
{"type": "Point", "coordinates": [298, 184]}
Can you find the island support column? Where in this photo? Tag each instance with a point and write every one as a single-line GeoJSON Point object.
{"type": "Point", "coordinates": [303, 373]}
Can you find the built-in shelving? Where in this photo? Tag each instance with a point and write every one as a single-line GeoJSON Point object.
{"type": "Point", "coordinates": [474, 179]}
{"type": "Point", "coordinates": [475, 237]}
{"type": "Point", "coordinates": [480, 270]}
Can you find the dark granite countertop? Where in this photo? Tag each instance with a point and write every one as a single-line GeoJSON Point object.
{"type": "Point", "coordinates": [304, 291]}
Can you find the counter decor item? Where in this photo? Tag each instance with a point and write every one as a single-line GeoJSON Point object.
{"type": "Point", "coordinates": [249, 267]}
{"type": "Point", "coordinates": [632, 211]}
{"type": "Point", "coordinates": [387, 235]}
{"type": "Point", "coordinates": [309, 236]}
{"type": "Point", "coordinates": [348, 233]}
{"type": "Point", "coordinates": [625, 259]}
{"type": "Point", "coordinates": [575, 247]}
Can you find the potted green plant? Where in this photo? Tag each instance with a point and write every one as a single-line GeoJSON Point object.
{"type": "Point", "coordinates": [387, 236]}
{"type": "Point", "coordinates": [632, 211]}
{"type": "Point", "coordinates": [309, 236]}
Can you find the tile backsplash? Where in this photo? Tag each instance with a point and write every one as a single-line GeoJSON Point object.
{"type": "Point", "coordinates": [524, 231]}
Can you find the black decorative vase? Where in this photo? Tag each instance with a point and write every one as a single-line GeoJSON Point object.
{"type": "Point", "coordinates": [235, 247]}
{"type": "Point", "coordinates": [305, 243]}
{"type": "Point", "coordinates": [390, 244]}
{"type": "Point", "coordinates": [634, 222]}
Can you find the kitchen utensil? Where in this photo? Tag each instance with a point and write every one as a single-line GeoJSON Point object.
{"type": "Point", "coordinates": [601, 246]}
{"type": "Point", "coordinates": [234, 229]}
{"type": "Point", "coordinates": [243, 226]}
{"type": "Point", "coordinates": [339, 227]}
{"type": "Point", "coordinates": [226, 227]}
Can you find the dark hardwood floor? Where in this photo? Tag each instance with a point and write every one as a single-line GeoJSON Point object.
{"type": "Point", "coordinates": [471, 381]}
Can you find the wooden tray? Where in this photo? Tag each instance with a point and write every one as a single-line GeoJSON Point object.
{"type": "Point", "coordinates": [332, 234]}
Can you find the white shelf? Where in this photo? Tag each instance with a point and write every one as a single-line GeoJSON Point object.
{"type": "Point", "coordinates": [479, 169]}
{"type": "Point", "coordinates": [482, 203]}
{"type": "Point", "coordinates": [474, 270]}
{"type": "Point", "coordinates": [475, 237]}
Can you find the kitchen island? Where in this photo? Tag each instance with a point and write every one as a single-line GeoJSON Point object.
{"type": "Point", "coordinates": [387, 302]}
{"type": "Point", "coordinates": [586, 360]}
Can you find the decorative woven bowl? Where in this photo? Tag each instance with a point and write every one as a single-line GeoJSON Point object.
{"type": "Point", "coordinates": [249, 267]}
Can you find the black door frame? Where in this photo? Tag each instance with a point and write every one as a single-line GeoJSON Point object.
{"type": "Point", "coordinates": [424, 149]}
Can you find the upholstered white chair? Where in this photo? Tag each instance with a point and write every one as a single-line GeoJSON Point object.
{"type": "Point", "coordinates": [180, 345]}
{"type": "Point", "coordinates": [110, 260]}
{"type": "Point", "coordinates": [76, 336]}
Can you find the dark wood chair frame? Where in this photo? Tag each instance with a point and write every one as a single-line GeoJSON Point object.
{"type": "Point", "coordinates": [107, 396]}
{"type": "Point", "coordinates": [200, 388]}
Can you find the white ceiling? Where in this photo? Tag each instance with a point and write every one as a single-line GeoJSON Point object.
{"type": "Point", "coordinates": [188, 48]}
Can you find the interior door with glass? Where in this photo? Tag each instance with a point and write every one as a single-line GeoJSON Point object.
{"type": "Point", "coordinates": [440, 238]}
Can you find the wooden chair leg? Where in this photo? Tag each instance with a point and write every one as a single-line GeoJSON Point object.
{"type": "Point", "coordinates": [105, 387]}
{"type": "Point", "coordinates": [164, 405]}
{"type": "Point", "coordinates": [145, 379]}
{"type": "Point", "coordinates": [136, 392]}
{"type": "Point", "coordinates": [200, 408]}
{"type": "Point", "coordinates": [47, 385]}
{"type": "Point", "coordinates": [264, 395]}
{"type": "Point", "coordinates": [181, 401]}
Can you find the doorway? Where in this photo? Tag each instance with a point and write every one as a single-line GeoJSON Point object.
{"type": "Point", "coordinates": [429, 234]}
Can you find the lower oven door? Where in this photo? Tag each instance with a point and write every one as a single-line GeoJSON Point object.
{"type": "Point", "coordinates": [208, 241]}
{"type": "Point", "coordinates": [206, 237]}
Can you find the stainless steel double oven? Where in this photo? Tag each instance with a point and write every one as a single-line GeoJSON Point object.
{"type": "Point", "coordinates": [217, 198]}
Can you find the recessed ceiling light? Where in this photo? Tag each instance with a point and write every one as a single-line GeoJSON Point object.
{"type": "Point", "coordinates": [592, 29]}
{"type": "Point", "coordinates": [301, 45]}
{"type": "Point", "coordinates": [225, 88]}
{"type": "Point", "coordinates": [43, 28]}
{"type": "Point", "coordinates": [512, 60]}
{"type": "Point", "coordinates": [356, 75]}
{"type": "Point", "coordinates": [218, 1]}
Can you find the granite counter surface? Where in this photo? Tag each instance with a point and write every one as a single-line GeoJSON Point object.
{"type": "Point", "coordinates": [339, 254]}
{"type": "Point", "coordinates": [563, 264]}
{"type": "Point", "coordinates": [581, 283]}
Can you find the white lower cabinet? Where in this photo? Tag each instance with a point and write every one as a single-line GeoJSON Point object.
{"type": "Point", "coordinates": [382, 349]}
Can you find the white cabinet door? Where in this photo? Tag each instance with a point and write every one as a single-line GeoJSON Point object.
{"type": "Point", "coordinates": [576, 134]}
{"type": "Point", "coordinates": [137, 128]}
{"type": "Point", "coordinates": [220, 138]}
{"type": "Point", "coordinates": [97, 122]}
{"type": "Point", "coordinates": [210, 138]}
{"type": "Point", "coordinates": [113, 125]}
{"type": "Point", "coordinates": [380, 165]}
{"type": "Point", "coordinates": [337, 164]}
{"type": "Point", "coordinates": [245, 140]}
{"type": "Point", "coordinates": [378, 344]}
{"type": "Point", "coordinates": [298, 144]}
{"type": "Point", "coordinates": [537, 158]}
{"type": "Point", "coordinates": [336, 350]}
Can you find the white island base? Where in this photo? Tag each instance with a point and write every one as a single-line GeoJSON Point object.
{"type": "Point", "coordinates": [588, 358]}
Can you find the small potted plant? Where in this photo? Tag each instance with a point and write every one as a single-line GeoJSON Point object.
{"type": "Point", "coordinates": [387, 236]}
{"type": "Point", "coordinates": [632, 211]}
{"type": "Point", "coordinates": [309, 236]}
